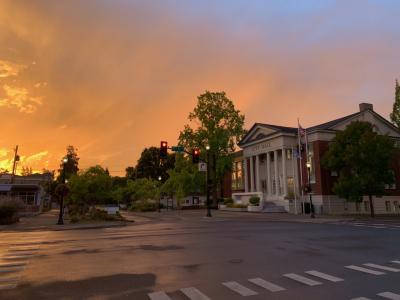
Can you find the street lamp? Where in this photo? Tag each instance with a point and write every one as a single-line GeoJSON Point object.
{"type": "Point", "coordinates": [208, 182]}
{"type": "Point", "coordinates": [60, 216]}
{"type": "Point", "coordinates": [159, 198]}
{"type": "Point", "coordinates": [309, 188]}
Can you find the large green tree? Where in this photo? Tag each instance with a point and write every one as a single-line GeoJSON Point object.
{"type": "Point", "coordinates": [71, 166]}
{"type": "Point", "coordinates": [150, 166]}
{"type": "Point", "coordinates": [89, 187]}
{"type": "Point", "coordinates": [215, 122]}
{"type": "Point", "coordinates": [362, 159]}
{"type": "Point", "coordinates": [395, 115]}
{"type": "Point", "coordinates": [184, 179]}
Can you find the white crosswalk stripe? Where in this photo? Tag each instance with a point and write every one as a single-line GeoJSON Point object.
{"type": "Point", "coordinates": [238, 288]}
{"type": "Point", "coordinates": [11, 270]}
{"type": "Point", "coordinates": [267, 285]}
{"type": "Point", "coordinates": [361, 298]}
{"type": "Point", "coordinates": [396, 261]}
{"type": "Point", "coordinates": [7, 286]}
{"type": "Point", "coordinates": [390, 269]}
{"type": "Point", "coordinates": [194, 294]}
{"type": "Point", "coordinates": [324, 276]}
{"type": "Point", "coordinates": [158, 296]}
{"type": "Point", "coordinates": [364, 270]}
{"type": "Point", "coordinates": [11, 265]}
{"type": "Point", "coordinates": [302, 279]}
{"type": "Point", "coordinates": [389, 295]}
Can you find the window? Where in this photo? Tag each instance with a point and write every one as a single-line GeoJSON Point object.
{"type": "Point", "coordinates": [237, 175]}
{"type": "Point", "coordinates": [391, 186]}
{"type": "Point", "coordinates": [388, 207]}
{"type": "Point", "coordinates": [289, 154]}
{"type": "Point", "coordinates": [366, 205]}
{"type": "Point", "coordinates": [396, 206]}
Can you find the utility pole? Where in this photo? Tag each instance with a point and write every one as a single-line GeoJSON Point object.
{"type": "Point", "coordinates": [16, 158]}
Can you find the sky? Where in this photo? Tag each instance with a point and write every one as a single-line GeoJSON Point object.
{"type": "Point", "coordinates": [114, 77]}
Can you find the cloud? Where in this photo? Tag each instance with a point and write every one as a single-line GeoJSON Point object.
{"type": "Point", "coordinates": [19, 97]}
{"type": "Point", "coordinates": [8, 69]}
{"type": "Point", "coordinates": [36, 157]}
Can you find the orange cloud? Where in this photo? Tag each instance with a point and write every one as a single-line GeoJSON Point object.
{"type": "Point", "coordinates": [8, 69]}
{"type": "Point", "coordinates": [19, 97]}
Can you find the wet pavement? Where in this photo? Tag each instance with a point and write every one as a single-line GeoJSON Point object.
{"type": "Point", "coordinates": [183, 255]}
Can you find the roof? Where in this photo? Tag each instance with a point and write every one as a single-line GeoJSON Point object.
{"type": "Point", "coordinates": [323, 126]}
{"type": "Point", "coordinates": [277, 128]}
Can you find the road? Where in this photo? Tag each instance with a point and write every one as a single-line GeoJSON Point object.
{"type": "Point", "coordinates": [183, 255]}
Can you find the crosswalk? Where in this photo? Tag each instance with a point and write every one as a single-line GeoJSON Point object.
{"type": "Point", "coordinates": [14, 260]}
{"type": "Point", "coordinates": [366, 224]}
{"type": "Point", "coordinates": [310, 278]}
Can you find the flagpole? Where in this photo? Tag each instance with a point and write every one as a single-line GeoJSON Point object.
{"type": "Point", "coordinates": [301, 164]}
{"type": "Point", "coordinates": [294, 182]}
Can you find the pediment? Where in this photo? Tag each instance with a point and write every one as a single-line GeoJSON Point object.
{"type": "Point", "coordinates": [380, 125]}
{"type": "Point", "coordinates": [258, 132]}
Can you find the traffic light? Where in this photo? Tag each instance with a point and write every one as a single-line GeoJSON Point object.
{"type": "Point", "coordinates": [196, 155]}
{"type": "Point", "coordinates": [163, 149]}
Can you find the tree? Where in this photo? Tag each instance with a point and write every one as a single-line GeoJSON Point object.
{"type": "Point", "coordinates": [184, 179]}
{"type": "Point", "coordinates": [149, 166]}
{"type": "Point", "coordinates": [362, 158]}
{"type": "Point", "coordinates": [395, 115]}
{"type": "Point", "coordinates": [71, 166]}
{"type": "Point", "coordinates": [130, 173]}
{"type": "Point", "coordinates": [90, 187]}
{"type": "Point", "coordinates": [26, 171]}
{"type": "Point", "coordinates": [219, 125]}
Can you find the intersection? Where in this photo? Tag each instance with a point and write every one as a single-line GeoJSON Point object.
{"type": "Point", "coordinates": [183, 255]}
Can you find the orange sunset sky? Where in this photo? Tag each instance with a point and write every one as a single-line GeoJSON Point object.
{"type": "Point", "coordinates": [113, 77]}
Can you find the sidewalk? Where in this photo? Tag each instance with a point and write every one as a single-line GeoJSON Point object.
{"type": "Point", "coordinates": [48, 220]}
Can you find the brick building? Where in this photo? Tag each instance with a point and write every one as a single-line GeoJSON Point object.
{"type": "Point", "coordinates": [268, 166]}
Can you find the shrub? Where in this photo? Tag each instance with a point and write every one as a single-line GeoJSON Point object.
{"type": "Point", "coordinates": [96, 214]}
{"type": "Point", "coordinates": [144, 206]}
{"type": "Point", "coordinates": [228, 201]}
{"type": "Point", "coordinates": [9, 210]}
{"type": "Point", "coordinates": [254, 200]}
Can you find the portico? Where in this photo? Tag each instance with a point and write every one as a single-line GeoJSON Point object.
{"type": "Point", "coordinates": [268, 163]}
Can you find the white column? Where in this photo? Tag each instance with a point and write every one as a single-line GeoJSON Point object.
{"type": "Point", "coordinates": [284, 172]}
{"type": "Point", "coordinates": [276, 175]}
{"type": "Point", "coordinates": [251, 174]}
{"type": "Point", "coordinates": [246, 180]}
{"type": "Point", "coordinates": [269, 186]}
{"type": "Point", "coordinates": [257, 181]}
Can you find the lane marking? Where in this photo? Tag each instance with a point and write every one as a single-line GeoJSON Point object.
{"type": "Point", "coordinates": [8, 286]}
{"type": "Point", "coordinates": [361, 298]}
{"type": "Point", "coordinates": [16, 257]}
{"type": "Point", "coordinates": [194, 294]}
{"type": "Point", "coordinates": [12, 270]}
{"type": "Point", "coordinates": [389, 295]}
{"type": "Point", "coordinates": [396, 261]}
{"type": "Point", "coordinates": [382, 267]}
{"type": "Point", "coordinates": [365, 270]}
{"type": "Point", "coordinates": [267, 285]}
{"type": "Point", "coordinates": [238, 288]}
{"type": "Point", "coordinates": [302, 279]}
{"type": "Point", "coordinates": [14, 264]}
{"type": "Point", "coordinates": [158, 296]}
{"type": "Point", "coordinates": [324, 276]}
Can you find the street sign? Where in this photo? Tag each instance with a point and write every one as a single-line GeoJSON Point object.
{"type": "Point", "coordinates": [179, 149]}
{"type": "Point", "coordinates": [202, 167]}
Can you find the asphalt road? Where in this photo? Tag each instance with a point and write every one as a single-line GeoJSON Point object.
{"type": "Point", "coordinates": [186, 256]}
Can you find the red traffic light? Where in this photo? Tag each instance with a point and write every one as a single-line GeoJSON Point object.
{"type": "Point", "coordinates": [163, 149]}
{"type": "Point", "coordinates": [196, 155]}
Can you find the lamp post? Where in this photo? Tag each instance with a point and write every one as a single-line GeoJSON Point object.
{"type": "Point", "coordinates": [159, 198]}
{"type": "Point", "coordinates": [309, 188]}
{"type": "Point", "coordinates": [60, 216]}
{"type": "Point", "coordinates": [208, 182]}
